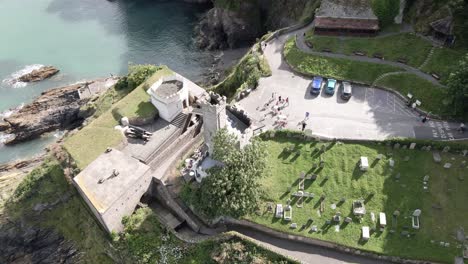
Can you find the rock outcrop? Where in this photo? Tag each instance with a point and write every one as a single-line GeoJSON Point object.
{"type": "Point", "coordinates": [25, 244]}
{"type": "Point", "coordinates": [57, 108]}
{"type": "Point", "coordinates": [233, 23]}
{"type": "Point", "coordinates": [39, 74]}
{"type": "Point", "coordinates": [222, 28]}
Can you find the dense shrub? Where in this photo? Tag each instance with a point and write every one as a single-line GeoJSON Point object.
{"type": "Point", "coordinates": [137, 74]}
{"type": "Point", "coordinates": [386, 10]}
{"type": "Point", "coordinates": [245, 75]}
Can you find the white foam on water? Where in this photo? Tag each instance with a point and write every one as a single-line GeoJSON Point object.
{"type": "Point", "coordinates": [58, 134]}
{"type": "Point", "coordinates": [9, 112]}
{"type": "Point", "coordinates": [12, 80]}
{"type": "Point", "coordinates": [4, 138]}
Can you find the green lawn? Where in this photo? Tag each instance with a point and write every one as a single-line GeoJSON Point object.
{"type": "Point", "coordinates": [431, 96]}
{"type": "Point", "coordinates": [341, 69]}
{"type": "Point", "coordinates": [88, 143]}
{"type": "Point", "coordinates": [378, 187]}
{"type": "Point", "coordinates": [406, 45]}
{"type": "Point", "coordinates": [443, 62]}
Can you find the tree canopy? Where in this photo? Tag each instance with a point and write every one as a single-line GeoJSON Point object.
{"type": "Point", "coordinates": [458, 86]}
{"type": "Point", "coordinates": [233, 189]}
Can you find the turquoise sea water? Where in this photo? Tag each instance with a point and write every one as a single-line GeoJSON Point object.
{"type": "Point", "coordinates": [87, 39]}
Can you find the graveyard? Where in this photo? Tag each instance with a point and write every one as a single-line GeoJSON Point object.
{"type": "Point", "coordinates": [321, 180]}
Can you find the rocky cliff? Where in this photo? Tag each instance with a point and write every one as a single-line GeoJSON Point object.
{"type": "Point", "coordinates": [57, 108]}
{"type": "Point", "coordinates": [234, 23]}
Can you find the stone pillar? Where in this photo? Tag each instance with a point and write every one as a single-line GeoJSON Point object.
{"type": "Point", "coordinates": [399, 18]}
{"type": "Point", "coordinates": [213, 108]}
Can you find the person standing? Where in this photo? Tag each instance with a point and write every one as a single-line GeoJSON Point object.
{"type": "Point", "coordinates": [303, 125]}
{"type": "Point", "coordinates": [424, 119]}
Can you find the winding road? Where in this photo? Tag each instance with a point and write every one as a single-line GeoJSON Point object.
{"type": "Point", "coordinates": [370, 114]}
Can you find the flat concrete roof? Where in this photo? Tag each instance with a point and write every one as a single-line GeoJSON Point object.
{"type": "Point", "coordinates": [169, 88]}
{"type": "Point", "coordinates": [103, 195]}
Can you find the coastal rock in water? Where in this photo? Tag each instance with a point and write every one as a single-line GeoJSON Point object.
{"type": "Point", "coordinates": [57, 108]}
{"type": "Point", "coordinates": [39, 74]}
{"type": "Point", "coordinates": [4, 126]}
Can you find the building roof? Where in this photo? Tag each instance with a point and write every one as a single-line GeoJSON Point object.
{"type": "Point", "coordinates": [97, 183]}
{"type": "Point", "coordinates": [346, 23]}
{"type": "Point", "coordinates": [444, 25]}
{"type": "Point", "coordinates": [346, 9]}
{"type": "Point", "coordinates": [168, 88]}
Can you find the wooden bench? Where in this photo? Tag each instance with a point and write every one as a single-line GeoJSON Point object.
{"type": "Point", "coordinates": [435, 75]}
{"type": "Point", "coordinates": [402, 60]}
{"type": "Point", "coordinates": [379, 56]}
{"type": "Point", "coordinates": [359, 53]}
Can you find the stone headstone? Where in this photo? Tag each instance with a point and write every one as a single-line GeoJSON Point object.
{"type": "Point", "coordinates": [124, 121]}
{"type": "Point", "coordinates": [426, 178]}
{"type": "Point", "coordinates": [348, 219]}
{"type": "Point", "coordinates": [446, 149]}
{"type": "Point", "coordinates": [463, 164]}
{"type": "Point", "coordinates": [391, 162]}
{"type": "Point", "coordinates": [397, 176]}
{"type": "Point", "coordinates": [379, 157]}
{"type": "Point", "coordinates": [404, 147]}
{"type": "Point", "coordinates": [417, 213]}
{"type": "Point", "coordinates": [423, 148]}
{"type": "Point", "coordinates": [314, 228]}
{"type": "Point", "coordinates": [428, 148]}
{"type": "Point", "coordinates": [323, 148]}
{"type": "Point", "coordinates": [406, 158]}
{"type": "Point", "coordinates": [293, 226]}
{"type": "Point", "coordinates": [436, 156]}
{"type": "Point", "coordinates": [396, 146]}
{"type": "Point", "coordinates": [412, 146]}
{"type": "Point", "coordinates": [447, 165]}
{"type": "Point", "coordinates": [465, 152]}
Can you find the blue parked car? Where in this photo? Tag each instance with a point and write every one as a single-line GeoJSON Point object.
{"type": "Point", "coordinates": [330, 86]}
{"type": "Point", "coordinates": [316, 85]}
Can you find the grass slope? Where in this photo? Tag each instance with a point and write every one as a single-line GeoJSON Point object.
{"type": "Point", "coordinates": [72, 219]}
{"type": "Point", "coordinates": [88, 143]}
{"type": "Point", "coordinates": [341, 69]}
{"type": "Point", "coordinates": [406, 45]}
{"type": "Point", "coordinates": [380, 189]}
{"type": "Point", "coordinates": [443, 62]}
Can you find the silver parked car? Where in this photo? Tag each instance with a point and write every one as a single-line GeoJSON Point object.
{"type": "Point", "coordinates": [347, 91]}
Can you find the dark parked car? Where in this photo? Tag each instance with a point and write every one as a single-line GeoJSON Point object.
{"type": "Point", "coordinates": [316, 85]}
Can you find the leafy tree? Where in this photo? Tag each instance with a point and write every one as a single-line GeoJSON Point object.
{"type": "Point", "coordinates": [386, 10]}
{"type": "Point", "coordinates": [458, 87]}
{"type": "Point", "coordinates": [233, 189]}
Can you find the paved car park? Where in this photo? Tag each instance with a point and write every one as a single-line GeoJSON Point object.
{"type": "Point", "coordinates": [370, 113]}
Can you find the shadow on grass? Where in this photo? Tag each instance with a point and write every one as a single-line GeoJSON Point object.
{"type": "Point", "coordinates": [357, 172]}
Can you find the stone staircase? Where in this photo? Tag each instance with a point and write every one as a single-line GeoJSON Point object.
{"type": "Point", "coordinates": [386, 75]}
{"type": "Point", "coordinates": [179, 120]}
{"type": "Point", "coordinates": [428, 58]}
